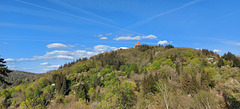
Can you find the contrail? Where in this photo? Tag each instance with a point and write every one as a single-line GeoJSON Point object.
{"type": "Point", "coordinates": [164, 13]}
{"type": "Point", "coordinates": [39, 40]}
{"type": "Point", "coordinates": [90, 20]}
{"type": "Point", "coordinates": [66, 5]}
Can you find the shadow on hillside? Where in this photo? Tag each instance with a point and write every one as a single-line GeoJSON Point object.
{"type": "Point", "coordinates": [231, 102]}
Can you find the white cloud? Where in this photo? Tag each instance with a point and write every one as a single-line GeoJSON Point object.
{"type": "Point", "coordinates": [135, 38]}
{"type": "Point", "coordinates": [123, 48]}
{"type": "Point", "coordinates": [11, 66]}
{"type": "Point", "coordinates": [25, 59]}
{"type": "Point", "coordinates": [26, 68]}
{"type": "Point", "coordinates": [215, 50]}
{"type": "Point", "coordinates": [113, 48]}
{"type": "Point", "coordinates": [101, 48]}
{"type": "Point", "coordinates": [128, 38]}
{"type": "Point", "coordinates": [9, 60]}
{"type": "Point", "coordinates": [71, 45]}
{"type": "Point", "coordinates": [44, 63]}
{"type": "Point", "coordinates": [81, 51]}
{"type": "Point", "coordinates": [57, 46]}
{"type": "Point", "coordinates": [108, 34]}
{"type": "Point", "coordinates": [84, 53]}
{"type": "Point", "coordinates": [53, 66]}
{"type": "Point", "coordinates": [47, 69]}
{"type": "Point", "coordinates": [92, 53]}
{"type": "Point", "coordinates": [65, 57]}
{"type": "Point", "coordinates": [100, 35]}
{"type": "Point", "coordinates": [103, 38]}
{"type": "Point", "coordinates": [62, 54]}
{"type": "Point", "coordinates": [149, 37]}
{"type": "Point", "coordinates": [237, 43]}
{"type": "Point", "coordinates": [164, 42]}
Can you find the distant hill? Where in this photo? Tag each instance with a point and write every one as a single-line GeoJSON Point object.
{"type": "Point", "coordinates": [17, 77]}
{"type": "Point", "coordinates": [153, 77]}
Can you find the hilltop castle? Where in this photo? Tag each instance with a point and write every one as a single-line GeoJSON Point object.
{"type": "Point", "coordinates": [137, 45]}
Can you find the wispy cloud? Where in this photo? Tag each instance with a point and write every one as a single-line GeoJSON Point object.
{"type": "Point", "coordinates": [237, 43]}
{"type": "Point", "coordinates": [26, 68]}
{"type": "Point", "coordinates": [128, 38]}
{"type": "Point", "coordinates": [104, 36]}
{"type": "Point", "coordinates": [9, 59]}
{"type": "Point", "coordinates": [53, 66]}
{"type": "Point", "coordinates": [135, 37]}
{"type": "Point", "coordinates": [45, 63]}
{"type": "Point", "coordinates": [108, 34]}
{"type": "Point", "coordinates": [102, 48]}
{"type": "Point", "coordinates": [149, 37]}
{"type": "Point", "coordinates": [12, 67]}
{"type": "Point", "coordinates": [215, 50]}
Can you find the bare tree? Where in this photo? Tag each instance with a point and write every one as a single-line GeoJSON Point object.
{"type": "Point", "coordinates": [165, 92]}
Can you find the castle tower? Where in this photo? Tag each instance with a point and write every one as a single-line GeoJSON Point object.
{"type": "Point", "coordinates": [137, 45]}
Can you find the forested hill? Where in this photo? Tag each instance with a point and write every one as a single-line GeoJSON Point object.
{"type": "Point", "coordinates": [17, 77]}
{"type": "Point", "coordinates": [153, 77]}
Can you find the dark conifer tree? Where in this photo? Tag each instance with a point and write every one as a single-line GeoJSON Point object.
{"type": "Point", "coordinates": [220, 63]}
{"type": "Point", "coordinates": [151, 57]}
{"type": "Point", "coordinates": [178, 68]}
{"type": "Point", "coordinates": [64, 85]}
{"type": "Point", "coordinates": [58, 83]}
{"type": "Point", "coordinates": [4, 71]}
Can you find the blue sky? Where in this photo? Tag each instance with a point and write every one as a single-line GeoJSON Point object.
{"type": "Point", "coordinates": [41, 35]}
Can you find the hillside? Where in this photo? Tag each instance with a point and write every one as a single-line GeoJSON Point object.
{"type": "Point", "coordinates": [17, 77]}
{"type": "Point", "coordinates": [151, 77]}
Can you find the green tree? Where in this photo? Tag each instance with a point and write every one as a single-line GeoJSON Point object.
{"type": "Point", "coordinates": [58, 83]}
{"type": "Point", "coordinates": [205, 100]}
{"type": "Point", "coordinates": [82, 91]}
{"type": "Point", "coordinates": [151, 57]}
{"type": "Point", "coordinates": [169, 46]}
{"type": "Point", "coordinates": [148, 84]}
{"type": "Point", "coordinates": [134, 68]}
{"type": "Point", "coordinates": [64, 86]}
{"type": "Point", "coordinates": [178, 68]}
{"type": "Point", "coordinates": [155, 64]}
{"type": "Point", "coordinates": [207, 78]}
{"type": "Point", "coordinates": [187, 84]}
{"type": "Point", "coordinates": [61, 84]}
{"type": "Point", "coordinates": [220, 63]}
{"type": "Point", "coordinates": [4, 71]}
{"type": "Point", "coordinates": [127, 97]}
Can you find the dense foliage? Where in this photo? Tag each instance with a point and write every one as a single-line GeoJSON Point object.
{"type": "Point", "coordinates": [152, 77]}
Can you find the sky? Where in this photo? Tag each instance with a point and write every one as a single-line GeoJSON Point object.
{"type": "Point", "coordinates": [41, 35]}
